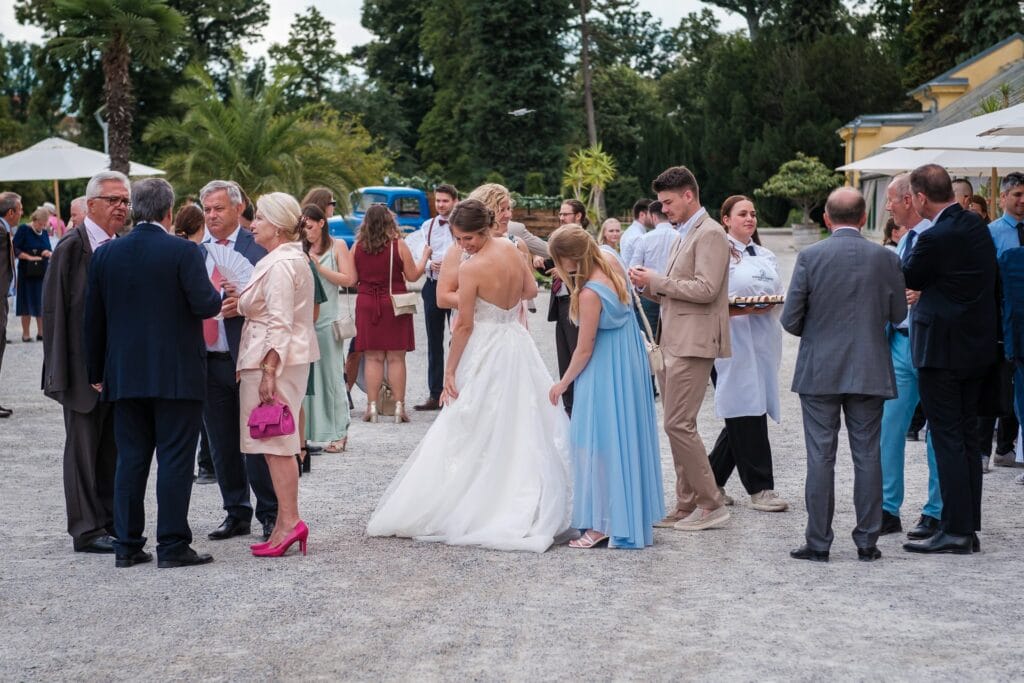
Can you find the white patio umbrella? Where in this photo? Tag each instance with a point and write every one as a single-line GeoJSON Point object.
{"type": "Point", "coordinates": [59, 159]}
{"type": "Point", "coordinates": [986, 132]}
{"type": "Point", "coordinates": [956, 161]}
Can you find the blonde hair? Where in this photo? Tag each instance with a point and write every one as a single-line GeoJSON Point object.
{"type": "Point", "coordinates": [573, 243]}
{"type": "Point", "coordinates": [283, 212]}
{"type": "Point", "coordinates": [600, 233]}
{"type": "Point", "coordinates": [41, 214]}
{"type": "Point", "coordinates": [490, 195]}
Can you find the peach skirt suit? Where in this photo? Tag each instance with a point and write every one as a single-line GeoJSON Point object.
{"type": "Point", "coordinates": [278, 307]}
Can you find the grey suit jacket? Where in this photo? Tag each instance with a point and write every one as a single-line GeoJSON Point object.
{"type": "Point", "coordinates": [64, 375]}
{"type": "Point", "coordinates": [6, 259]}
{"type": "Point", "coordinates": [843, 292]}
{"type": "Point", "coordinates": [536, 245]}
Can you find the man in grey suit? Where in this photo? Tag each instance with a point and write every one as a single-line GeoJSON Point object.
{"type": "Point", "coordinates": [843, 292]}
{"type": "Point", "coordinates": [90, 453]}
{"type": "Point", "coordinates": [10, 215]}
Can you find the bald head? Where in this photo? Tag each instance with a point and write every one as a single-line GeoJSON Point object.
{"type": "Point", "coordinates": [845, 207]}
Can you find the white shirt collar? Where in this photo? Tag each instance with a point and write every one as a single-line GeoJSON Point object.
{"type": "Point", "coordinates": [922, 226]}
{"type": "Point", "coordinates": [845, 227]}
{"type": "Point", "coordinates": [208, 237]}
{"type": "Point", "coordinates": [740, 245]}
{"type": "Point", "coordinates": [97, 235]}
{"type": "Point", "coordinates": [685, 227]}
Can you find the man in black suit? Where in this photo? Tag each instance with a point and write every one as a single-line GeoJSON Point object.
{"type": "Point", "coordinates": [222, 205]}
{"type": "Point", "coordinates": [953, 343]}
{"type": "Point", "coordinates": [90, 453]}
{"type": "Point", "coordinates": [147, 297]}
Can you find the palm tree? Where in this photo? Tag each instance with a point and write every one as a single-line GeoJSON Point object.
{"type": "Point", "coordinates": [120, 31]}
{"type": "Point", "coordinates": [257, 141]}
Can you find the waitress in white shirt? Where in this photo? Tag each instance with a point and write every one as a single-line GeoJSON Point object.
{"type": "Point", "coordinates": [747, 384]}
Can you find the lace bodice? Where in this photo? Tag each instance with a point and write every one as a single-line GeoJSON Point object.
{"type": "Point", "coordinates": [486, 312]}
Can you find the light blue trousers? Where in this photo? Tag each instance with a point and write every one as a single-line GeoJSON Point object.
{"type": "Point", "coordinates": [896, 416]}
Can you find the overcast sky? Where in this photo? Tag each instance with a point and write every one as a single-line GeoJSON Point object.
{"type": "Point", "coordinates": [345, 15]}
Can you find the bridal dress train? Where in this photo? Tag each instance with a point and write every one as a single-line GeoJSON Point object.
{"type": "Point", "coordinates": [493, 470]}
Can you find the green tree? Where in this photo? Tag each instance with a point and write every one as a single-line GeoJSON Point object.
{"type": "Point", "coordinates": [805, 181]}
{"type": "Point", "coordinates": [805, 22]}
{"type": "Point", "coordinates": [986, 22]}
{"type": "Point", "coordinates": [309, 62]}
{"type": "Point", "coordinates": [261, 142]}
{"type": "Point", "coordinates": [935, 44]}
{"type": "Point", "coordinates": [756, 12]}
{"type": "Point", "coordinates": [119, 31]}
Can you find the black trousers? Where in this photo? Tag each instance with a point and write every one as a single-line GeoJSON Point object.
{"type": "Point", "coordinates": [435, 319]}
{"type": "Point", "coordinates": [1005, 434]}
{"type": "Point", "coordinates": [171, 427]}
{"type": "Point", "coordinates": [204, 460]}
{"type": "Point", "coordinates": [566, 335]}
{"type": "Point", "coordinates": [950, 400]}
{"type": "Point", "coordinates": [743, 445]}
{"type": "Point", "coordinates": [90, 456]}
{"type": "Point", "coordinates": [236, 472]}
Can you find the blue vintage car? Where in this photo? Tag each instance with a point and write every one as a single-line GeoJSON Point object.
{"type": "Point", "coordinates": [410, 206]}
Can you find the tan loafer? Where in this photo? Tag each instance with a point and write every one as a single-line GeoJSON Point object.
{"type": "Point", "coordinates": [701, 519]}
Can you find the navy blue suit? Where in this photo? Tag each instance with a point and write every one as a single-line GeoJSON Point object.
{"type": "Point", "coordinates": [953, 340]}
{"type": "Point", "coordinates": [235, 471]}
{"type": "Point", "coordinates": [146, 299]}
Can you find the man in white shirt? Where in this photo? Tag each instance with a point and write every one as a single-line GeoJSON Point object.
{"type": "Point", "coordinates": [10, 214]}
{"type": "Point", "coordinates": [898, 412]}
{"type": "Point", "coordinates": [436, 233]}
{"type": "Point", "coordinates": [90, 454]}
{"type": "Point", "coordinates": [652, 251]}
{"type": "Point", "coordinates": [642, 222]}
{"type": "Point", "coordinates": [223, 204]}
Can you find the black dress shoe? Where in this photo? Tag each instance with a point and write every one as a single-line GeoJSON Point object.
{"type": "Point", "coordinates": [231, 526]}
{"type": "Point", "coordinates": [138, 557]}
{"type": "Point", "coordinates": [926, 527]}
{"type": "Point", "coordinates": [5, 412]}
{"type": "Point", "coordinates": [268, 528]}
{"type": "Point", "coordinates": [912, 435]}
{"type": "Point", "coordinates": [890, 524]}
{"type": "Point", "coordinates": [185, 559]}
{"type": "Point", "coordinates": [805, 553]}
{"type": "Point", "coordinates": [941, 542]}
{"type": "Point", "coordinates": [100, 544]}
{"type": "Point", "coordinates": [430, 404]}
{"type": "Point", "coordinates": [869, 554]}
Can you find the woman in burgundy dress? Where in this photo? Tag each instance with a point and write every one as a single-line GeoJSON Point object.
{"type": "Point", "coordinates": [380, 256]}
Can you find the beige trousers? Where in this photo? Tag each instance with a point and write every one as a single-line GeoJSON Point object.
{"type": "Point", "coordinates": [684, 384]}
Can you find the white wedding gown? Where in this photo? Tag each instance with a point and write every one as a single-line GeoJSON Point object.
{"type": "Point", "coordinates": [493, 469]}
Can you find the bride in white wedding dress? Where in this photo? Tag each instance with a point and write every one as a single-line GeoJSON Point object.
{"type": "Point", "coordinates": [493, 469]}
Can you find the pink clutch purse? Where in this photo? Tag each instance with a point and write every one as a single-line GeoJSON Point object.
{"type": "Point", "coordinates": [268, 421]}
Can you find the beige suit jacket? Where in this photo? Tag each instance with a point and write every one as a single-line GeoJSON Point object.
{"type": "Point", "coordinates": [278, 308]}
{"type": "Point", "coordinates": [694, 294]}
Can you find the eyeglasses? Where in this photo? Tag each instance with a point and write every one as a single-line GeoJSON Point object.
{"type": "Point", "coordinates": [114, 201]}
{"type": "Point", "coordinates": [566, 213]}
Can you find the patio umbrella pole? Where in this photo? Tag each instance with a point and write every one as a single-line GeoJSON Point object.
{"type": "Point", "coordinates": [56, 197]}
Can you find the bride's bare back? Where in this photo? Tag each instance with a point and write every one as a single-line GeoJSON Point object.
{"type": "Point", "coordinates": [497, 274]}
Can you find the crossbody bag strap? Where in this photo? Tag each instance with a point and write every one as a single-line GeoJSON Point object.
{"type": "Point", "coordinates": [391, 268]}
{"type": "Point", "coordinates": [643, 316]}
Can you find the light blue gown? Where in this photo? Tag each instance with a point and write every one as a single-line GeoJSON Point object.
{"type": "Point", "coordinates": [617, 486]}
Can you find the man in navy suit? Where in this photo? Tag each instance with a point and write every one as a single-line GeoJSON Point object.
{"type": "Point", "coordinates": [222, 205]}
{"type": "Point", "coordinates": [953, 343]}
{"type": "Point", "coordinates": [145, 303]}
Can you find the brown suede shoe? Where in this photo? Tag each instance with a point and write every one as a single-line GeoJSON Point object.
{"type": "Point", "coordinates": [430, 404]}
{"type": "Point", "coordinates": [670, 520]}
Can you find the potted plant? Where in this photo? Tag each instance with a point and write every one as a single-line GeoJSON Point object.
{"type": "Point", "coordinates": [805, 182]}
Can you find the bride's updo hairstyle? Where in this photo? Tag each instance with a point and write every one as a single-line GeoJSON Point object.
{"type": "Point", "coordinates": [470, 215]}
{"type": "Point", "coordinates": [573, 243]}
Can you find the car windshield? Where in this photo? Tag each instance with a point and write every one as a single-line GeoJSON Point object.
{"type": "Point", "coordinates": [364, 200]}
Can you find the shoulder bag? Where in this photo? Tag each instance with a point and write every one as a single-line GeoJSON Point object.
{"type": "Point", "coordinates": [345, 326]}
{"type": "Point", "coordinates": [654, 356]}
{"type": "Point", "coordinates": [404, 304]}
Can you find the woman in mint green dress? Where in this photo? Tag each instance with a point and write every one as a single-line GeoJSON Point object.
{"type": "Point", "coordinates": [326, 409]}
{"type": "Point", "coordinates": [613, 434]}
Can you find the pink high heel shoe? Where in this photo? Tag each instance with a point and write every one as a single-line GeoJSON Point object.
{"type": "Point", "coordinates": [300, 533]}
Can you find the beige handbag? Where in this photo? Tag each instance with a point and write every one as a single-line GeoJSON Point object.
{"type": "Point", "coordinates": [654, 356]}
{"type": "Point", "coordinates": [404, 304]}
{"type": "Point", "coordinates": [345, 326]}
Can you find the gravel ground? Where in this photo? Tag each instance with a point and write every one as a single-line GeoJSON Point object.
{"type": "Point", "coordinates": [718, 605]}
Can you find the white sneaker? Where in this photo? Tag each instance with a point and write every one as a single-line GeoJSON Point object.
{"type": "Point", "coordinates": [701, 519]}
{"type": "Point", "coordinates": [768, 501]}
{"type": "Point", "coordinates": [985, 464]}
{"type": "Point", "coordinates": [726, 498]}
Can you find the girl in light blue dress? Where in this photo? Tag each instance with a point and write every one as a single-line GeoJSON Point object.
{"type": "Point", "coordinates": [617, 490]}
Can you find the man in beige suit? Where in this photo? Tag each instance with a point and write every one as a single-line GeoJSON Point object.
{"type": "Point", "coordinates": [693, 294]}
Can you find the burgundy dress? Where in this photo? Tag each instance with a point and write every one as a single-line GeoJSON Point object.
{"type": "Point", "coordinates": [378, 329]}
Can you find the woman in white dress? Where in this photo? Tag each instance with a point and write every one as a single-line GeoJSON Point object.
{"type": "Point", "coordinates": [747, 384]}
{"type": "Point", "coordinates": [493, 469]}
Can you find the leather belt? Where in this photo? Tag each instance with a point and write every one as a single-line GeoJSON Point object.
{"type": "Point", "coordinates": [218, 355]}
